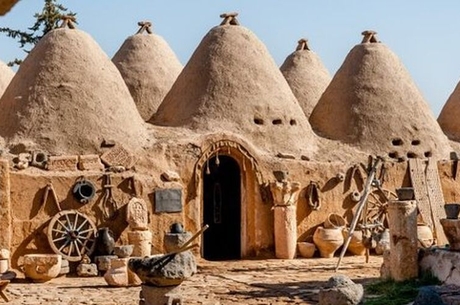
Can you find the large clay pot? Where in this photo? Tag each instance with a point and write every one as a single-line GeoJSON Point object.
{"type": "Point", "coordinates": [334, 221]}
{"type": "Point", "coordinates": [356, 245]}
{"type": "Point", "coordinates": [42, 267]}
{"type": "Point", "coordinates": [425, 236]}
{"type": "Point", "coordinates": [328, 240]}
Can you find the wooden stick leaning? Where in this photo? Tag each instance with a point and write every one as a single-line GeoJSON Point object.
{"type": "Point", "coordinates": [362, 202]}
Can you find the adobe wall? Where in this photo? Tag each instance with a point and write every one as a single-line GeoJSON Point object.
{"type": "Point", "coordinates": [26, 231]}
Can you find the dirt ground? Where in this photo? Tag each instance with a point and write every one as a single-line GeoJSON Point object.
{"type": "Point", "coordinates": [260, 282]}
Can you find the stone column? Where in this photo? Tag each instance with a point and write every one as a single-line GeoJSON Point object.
{"type": "Point", "coordinates": [285, 196]}
{"type": "Point", "coordinates": [402, 217]}
{"type": "Point", "coordinates": [5, 205]}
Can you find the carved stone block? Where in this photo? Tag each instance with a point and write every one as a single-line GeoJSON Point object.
{"type": "Point", "coordinates": [90, 162]}
{"type": "Point", "coordinates": [137, 214]}
{"type": "Point", "coordinates": [168, 200]}
{"type": "Point", "coordinates": [62, 163]}
{"type": "Point", "coordinates": [118, 156]}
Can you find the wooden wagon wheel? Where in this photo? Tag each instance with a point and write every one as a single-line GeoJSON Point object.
{"type": "Point", "coordinates": [376, 210]}
{"type": "Point", "coordinates": [72, 235]}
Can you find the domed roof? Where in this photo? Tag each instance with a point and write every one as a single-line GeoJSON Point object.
{"type": "Point", "coordinates": [448, 118]}
{"type": "Point", "coordinates": [373, 104]}
{"type": "Point", "coordinates": [306, 75]}
{"type": "Point", "coordinates": [232, 84]}
{"type": "Point", "coordinates": [149, 68]}
{"type": "Point", "coordinates": [67, 97]}
{"type": "Point", "coordinates": [6, 74]}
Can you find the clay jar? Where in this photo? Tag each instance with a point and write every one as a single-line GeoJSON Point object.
{"type": "Point", "coordinates": [328, 240]}
{"type": "Point", "coordinates": [356, 245]}
{"type": "Point", "coordinates": [424, 235]}
{"type": "Point", "coordinates": [42, 267]}
{"type": "Point", "coordinates": [306, 249]}
{"type": "Point", "coordinates": [105, 241]}
{"type": "Point", "coordinates": [334, 221]}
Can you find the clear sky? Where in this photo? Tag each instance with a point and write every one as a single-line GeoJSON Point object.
{"type": "Point", "coordinates": [424, 34]}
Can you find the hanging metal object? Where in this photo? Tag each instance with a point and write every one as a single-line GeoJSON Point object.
{"type": "Point", "coordinates": [217, 158]}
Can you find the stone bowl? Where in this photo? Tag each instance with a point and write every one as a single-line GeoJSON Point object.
{"type": "Point", "coordinates": [306, 249]}
{"type": "Point", "coordinates": [405, 193]}
{"type": "Point", "coordinates": [123, 251]}
{"type": "Point", "coordinates": [452, 210]}
{"type": "Point", "coordinates": [42, 267]}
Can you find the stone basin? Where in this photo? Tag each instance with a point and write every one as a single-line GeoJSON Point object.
{"type": "Point", "coordinates": [42, 267]}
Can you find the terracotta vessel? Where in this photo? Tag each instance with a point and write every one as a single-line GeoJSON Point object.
{"type": "Point", "coordinates": [356, 245]}
{"type": "Point", "coordinates": [105, 241]}
{"type": "Point", "coordinates": [328, 240]}
{"type": "Point", "coordinates": [451, 229]}
{"type": "Point", "coordinates": [425, 236]}
{"type": "Point", "coordinates": [42, 267]}
{"type": "Point", "coordinates": [306, 249]}
{"type": "Point", "coordinates": [334, 221]}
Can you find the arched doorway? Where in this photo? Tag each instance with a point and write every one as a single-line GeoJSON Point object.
{"type": "Point", "coordinates": [222, 208]}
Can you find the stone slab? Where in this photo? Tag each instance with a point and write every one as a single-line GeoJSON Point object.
{"type": "Point", "coordinates": [90, 162]}
{"type": "Point", "coordinates": [168, 200]}
{"type": "Point", "coordinates": [441, 263]}
{"type": "Point", "coordinates": [62, 163]}
{"type": "Point", "coordinates": [118, 156]}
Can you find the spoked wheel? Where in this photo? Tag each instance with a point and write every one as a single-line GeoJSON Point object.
{"type": "Point", "coordinates": [376, 209]}
{"type": "Point", "coordinates": [72, 235]}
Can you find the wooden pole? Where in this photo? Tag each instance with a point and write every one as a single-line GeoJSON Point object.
{"type": "Point", "coordinates": [362, 201]}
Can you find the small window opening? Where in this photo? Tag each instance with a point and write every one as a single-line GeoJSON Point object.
{"type": "Point", "coordinates": [393, 155]}
{"type": "Point", "coordinates": [258, 121]}
{"type": "Point", "coordinates": [415, 142]}
{"type": "Point", "coordinates": [411, 155]}
{"type": "Point", "coordinates": [397, 142]}
{"type": "Point", "coordinates": [277, 122]}
{"type": "Point", "coordinates": [293, 122]}
{"type": "Point", "coordinates": [428, 154]}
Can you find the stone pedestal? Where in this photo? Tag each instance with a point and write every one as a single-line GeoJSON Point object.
{"type": "Point", "coordinates": [451, 229]}
{"type": "Point", "coordinates": [119, 275]}
{"type": "Point", "coordinates": [402, 217]}
{"type": "Point", "coordinates": [142, 243]}
{"type": "Point", "coordinates": [103, 262]}
{"type": "Point", "coordinates": [87, 270]}
{"type": "Point", "coordinates": [285, 231]}
{"type": "Point", "coordinates": [151, 295]}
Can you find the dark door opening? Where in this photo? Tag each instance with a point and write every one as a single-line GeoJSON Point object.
{"type": "Point", "coordinates": [222, 209]}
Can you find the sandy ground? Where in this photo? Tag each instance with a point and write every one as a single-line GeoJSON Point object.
{"type": "Point", "coordinates": [231, 282]}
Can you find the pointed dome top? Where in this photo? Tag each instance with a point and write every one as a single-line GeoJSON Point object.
{"type": "Point", "coordinates": [149, 68]}
{"type": "Point", "coordinates": [67, 97]}
{"type": "Point", "coordinates": [6, 75]}
{"type": "Point", "coordinates": [231, 83]}
{"type": "Point", "coordinates": [448, 118]}
{"type": "Point", "coordinates": [373, 104]}
{"type": "Point", "coordinates": [306, 75]}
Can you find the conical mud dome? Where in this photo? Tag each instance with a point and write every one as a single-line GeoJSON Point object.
{"type": "Point", "coordinates": [149, 68]}
{"type": "Point", "coordinates": [67, 97]}
{"type": "Point", "coordinates": [232, 84]}
{"type": "Point", "coordinates": [6, 75]}
{"type": "Point", "coordinates": [449, 117]}
{"type": "Point", "coordinates": [306, 75]}
{"type": "Point", "coordinates": [373, 104]}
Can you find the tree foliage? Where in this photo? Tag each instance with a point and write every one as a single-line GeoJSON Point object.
{"type": "Point", "coordinates": [45, 21]}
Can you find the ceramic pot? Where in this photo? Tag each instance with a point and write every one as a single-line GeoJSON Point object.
{"type": "Point", "coordinates": [105, 241]}
{"type": "Point", "coordinates": [328, 240]}
{"type": "Point", "coordinates": [452, 210]}
{"type": "Point", "coordinates": [306, 249]}
{"type": "Point", "coordinates": [42, 267]}
{"type": "Point", "coordinates": [383, 242]}
{"type": "Point", "coordinates": [334, 221]}
{"type": "Point", "coordinates": [451, 229]}
{"type": "Point", "coordinates": [425, 236]}
{"type": "Point", "coordinates": [356, 245]}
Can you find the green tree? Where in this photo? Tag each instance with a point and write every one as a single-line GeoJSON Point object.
{"type": "Point", "coordinates": [45, 21]}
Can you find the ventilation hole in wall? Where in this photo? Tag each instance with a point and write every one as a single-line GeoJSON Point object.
{"type": "Point", "coordinates": [415, 142]}
{"type": "Point", "coordinates": [397, 142]}
{"type": "Point", "coordinates": [258, 121]}
{"type": "Point", "coordinates": [293, 122]}
{"type": "Point", "coordinates": [428, 154]}
{"type": "Point", "coordinates": [411, 155]}
{"type": "Point", "coordinates": [393, 154]}
{"type": "Point", "coordinates": [277, 122]}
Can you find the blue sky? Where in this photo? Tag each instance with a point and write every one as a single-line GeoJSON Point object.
{"type": "Point", "coordinates": [422, 33]}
